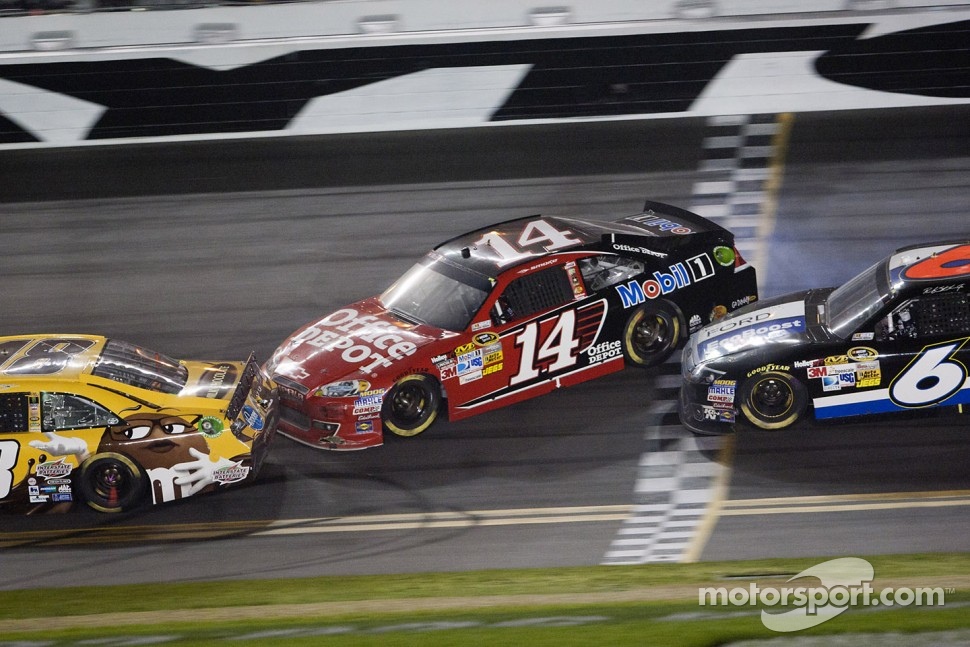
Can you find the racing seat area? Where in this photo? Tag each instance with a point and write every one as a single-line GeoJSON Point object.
{"type": "Point", "coordinates": [600, 272]}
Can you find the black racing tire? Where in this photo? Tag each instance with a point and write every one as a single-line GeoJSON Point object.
{"type": "Point", "coordinates": [773, 400]}
{"type": "Point", "coordinates": [651, 334]}
{"type": "Point", "coordinates": [411, 406]}
{"type": "Point", "coordinates": [112, 482]}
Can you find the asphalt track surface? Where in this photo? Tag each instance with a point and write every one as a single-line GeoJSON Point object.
{"type": "Point", "coordinates": [213, 250]}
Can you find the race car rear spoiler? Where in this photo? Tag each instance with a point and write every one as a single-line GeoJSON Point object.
{"type": "Point", "coordinates": [242, 389]}
{"type": "Point", "coordinates": [666, 228]}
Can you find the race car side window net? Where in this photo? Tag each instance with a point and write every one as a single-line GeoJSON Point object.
{"type": "Point", "coordinates": [943, 314]}
{"type": "Point", "coordinates": [13, 412]}
{"type": "Point", "coordinates": [64, 411]}
{"type": "Point", "coordinates": [533, 293]}
{"type": "Point", "coordinates": [927, 316]}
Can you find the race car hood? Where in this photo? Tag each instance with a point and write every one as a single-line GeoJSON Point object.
{"type": "Point", "coordinates": [358, 342]}
{"type": "Point", "coordinates": [780, 320]}
{"type": "Point", "coordinates": [212, 379]}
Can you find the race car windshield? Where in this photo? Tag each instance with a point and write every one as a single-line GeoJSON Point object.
{"type": "Point", "coordinates": [438, 294]}
{"type": "Point", "coordinates": [855, 302]}
{"type": "Point", "coordinates": [137, 366]}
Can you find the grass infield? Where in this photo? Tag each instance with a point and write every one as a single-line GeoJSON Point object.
{"type": "Point", "coordinates": [653, 604]}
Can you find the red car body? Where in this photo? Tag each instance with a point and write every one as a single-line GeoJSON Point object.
{"type": "Point", "coordinates": [504, 314]}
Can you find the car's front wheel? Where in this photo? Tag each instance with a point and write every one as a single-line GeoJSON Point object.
{"type": "Point", "coordinates": [412, 405]}
{"type": "Point", "coordinates": [112, 482]}
{"type": "Point", "coordinates": [651, 334]}
{"type": "Point", "coordinates": [773, 400]}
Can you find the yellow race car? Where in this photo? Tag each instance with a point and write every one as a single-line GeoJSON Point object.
{"type": "Point", "coordinates": [85, 418]}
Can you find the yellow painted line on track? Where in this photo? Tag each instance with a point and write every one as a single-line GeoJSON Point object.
{"type": "Point", "coordinates": [776, 167]}
{"type": "Point", "coordinates": [720, 492]}
{"type": "Point", "coordinates": [720, 507]}
{"type": "Point", "coordinates": [845, 503]}
{"type": "Point", "coordinates": [463, 514]}
{"type": "Point", "coordinates": [455, 519]}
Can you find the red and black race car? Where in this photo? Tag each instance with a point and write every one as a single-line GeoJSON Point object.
{"type": "Point", "coordinates": [503, 314]}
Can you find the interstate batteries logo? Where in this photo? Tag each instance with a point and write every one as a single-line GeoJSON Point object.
{"type": "Point", "coordinates": [842, 583]}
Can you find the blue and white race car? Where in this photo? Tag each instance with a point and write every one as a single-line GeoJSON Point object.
{"type": "Point", "coordinates": [894, 338]}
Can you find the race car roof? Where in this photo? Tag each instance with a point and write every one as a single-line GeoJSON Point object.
{"type": "Point", "coordinates": [56, 357]}
{"type": "Point", "coordinates": [490, 250]}
{"type": "Point", "coordinates": [940, 261]}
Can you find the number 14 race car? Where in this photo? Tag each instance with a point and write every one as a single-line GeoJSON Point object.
{"type": "Point", "coordinates": [503, 314]}
{"type": "Point", "coordinates": [894, 338]}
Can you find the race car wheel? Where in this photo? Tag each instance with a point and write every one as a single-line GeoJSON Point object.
{"type": "Point", "coordinates": [651, 334]}
{"type": "Point", "coordinates": [112, 482]}
{"type": "Point", "coordinates": [411, 406]}
{"type": "Point", "coordinates": [773, 400]}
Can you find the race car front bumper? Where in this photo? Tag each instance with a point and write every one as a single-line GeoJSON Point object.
{"type": "Point", "coordinates": [320, 428]}
{"type": "Point", "coordinates": [700, 416]}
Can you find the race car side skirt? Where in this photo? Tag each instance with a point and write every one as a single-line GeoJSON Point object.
{"type": "Point", "coordinates": [873, 402]}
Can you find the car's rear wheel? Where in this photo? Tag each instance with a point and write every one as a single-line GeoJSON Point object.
{"type": "Point", "coordinates": [773, 400]}
{"type": "Point", "coordinates": [112, 482]}
{"type": "Point", "coordinates": [412, 405]}
{"type": "Point", "coordinates": [651, 334]}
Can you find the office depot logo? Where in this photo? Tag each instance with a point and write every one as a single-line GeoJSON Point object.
{"type": "Point", "coordinates": [842, 583]}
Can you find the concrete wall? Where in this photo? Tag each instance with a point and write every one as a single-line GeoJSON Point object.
{"type": "Point", "coordinates": [276, 71]}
